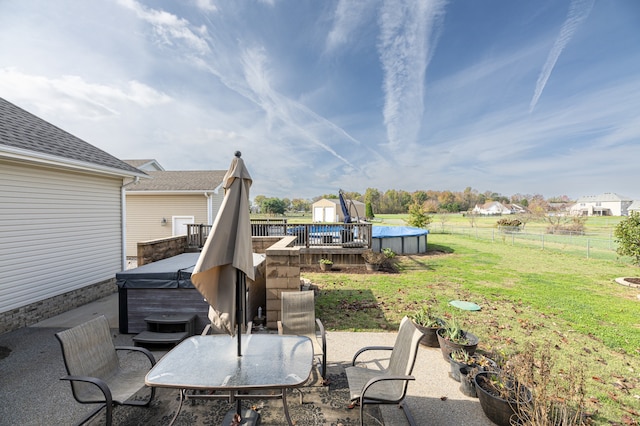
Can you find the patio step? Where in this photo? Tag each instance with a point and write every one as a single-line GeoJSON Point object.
{"type": "Point", "coordinates": [157, 338]}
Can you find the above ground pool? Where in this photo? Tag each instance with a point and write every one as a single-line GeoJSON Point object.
{"type": "Point", "coordinates": [400, 239]}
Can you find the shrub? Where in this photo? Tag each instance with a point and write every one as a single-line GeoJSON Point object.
{"type": "Point", "coordinates": [627, 235]}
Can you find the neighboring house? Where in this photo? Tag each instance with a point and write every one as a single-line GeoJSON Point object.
{"type": "Point", "coordinates": [492, 208]}
{"type": "Point", "coordinates": [634, 207]}
{"type": "Point", "coordinates": [162, 206]}
{"type": "Point", "coordinates": [329, 210]}
{"type": "Point", "coordinates": [61, 219]}
{"type": "Point", "coordinates": [607, 204]}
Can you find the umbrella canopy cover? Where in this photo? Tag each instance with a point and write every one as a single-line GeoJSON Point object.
{"type": "Point", "coordinates": [227, 249]}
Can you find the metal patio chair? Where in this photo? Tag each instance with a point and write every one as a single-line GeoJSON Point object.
{"type": "Point", "coordinates": [299, 318]}
{"type": "Point", "coordinates": [94, 369]}
{"type": "Point", "coordinates": [388, 385]}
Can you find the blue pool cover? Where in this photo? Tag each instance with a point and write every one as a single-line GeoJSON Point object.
{"type": "Point", "coordinates": [397, 231]}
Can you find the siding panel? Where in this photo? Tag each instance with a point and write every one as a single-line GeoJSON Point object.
{"type": "Point", "coordinates": [59, 231]}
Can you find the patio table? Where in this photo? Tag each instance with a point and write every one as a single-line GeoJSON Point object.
{"type": "Point", "coordinates": [211, 363]}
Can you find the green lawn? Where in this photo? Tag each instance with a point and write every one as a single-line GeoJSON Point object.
{"type": "Point", "coordinates": [565, 302]}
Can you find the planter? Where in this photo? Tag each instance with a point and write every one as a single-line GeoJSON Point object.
{"type": "Point", "coordinates": [447, 346]}
{"type": "Point", "coordinates": [467, 384]}
{"type": "Point", "coordinates": [326, 267]}
{"type": "Point", "coordinates": [372, 266]}
{"type": "Point", "coordinates": [429, 336]}
{"type": "Point", "coordinates": [489, 365]}
{"type": "Point", "coordinates": [497, 409]}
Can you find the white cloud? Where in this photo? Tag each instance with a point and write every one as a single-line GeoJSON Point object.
{"type": "Point", "coordinates": [408, 33]}
{"type": "Point", "coordinates": [578, 12]}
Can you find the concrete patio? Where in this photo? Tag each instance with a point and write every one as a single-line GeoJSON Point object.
{"type": "Point", "coordinates": [32, 393]}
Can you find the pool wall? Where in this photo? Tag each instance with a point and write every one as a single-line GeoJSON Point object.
{"type": "Point", "coordinates": [400, 244]}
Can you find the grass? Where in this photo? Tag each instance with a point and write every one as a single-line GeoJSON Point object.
{"type": "Point", "coordinates": [528, 296]}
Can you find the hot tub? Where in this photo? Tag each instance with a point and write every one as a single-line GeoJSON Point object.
{"type": "Point", "coordinates": [400, 239]}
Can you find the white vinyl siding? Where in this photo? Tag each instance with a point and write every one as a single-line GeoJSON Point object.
{"type": "Point", "coordinates": [59, 231]}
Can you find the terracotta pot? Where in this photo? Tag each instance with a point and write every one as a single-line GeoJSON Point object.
{"type": "Point", "coordinates": [447, 346]}
{"type": "Point", "coordinates": [326, 267]}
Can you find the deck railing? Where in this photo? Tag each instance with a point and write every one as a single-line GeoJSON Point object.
{"type": "Point", "coordinates": [309, 234]}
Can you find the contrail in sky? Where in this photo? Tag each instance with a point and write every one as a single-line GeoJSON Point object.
{"type": "Point", "coordinates": [578, 12]}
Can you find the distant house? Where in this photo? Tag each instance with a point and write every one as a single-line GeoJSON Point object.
{"type": "Point", "coordinates": [162, 206]}
{"type": "Point", "coordinates": [329, 210]}
{"type": "Point", "coordinates": [61, 233]}
{"type": "Point", "coordinates": [607, 204]}
{"type": "Point", "coordinates": [634, 207]}
{"type": "Point", "coordinates": [492, 208]}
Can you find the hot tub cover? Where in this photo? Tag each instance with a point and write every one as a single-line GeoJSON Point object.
{"type": "Point", "coordinates": [173, 272]}
{"type": "Point", "coordinates": [397, 231]}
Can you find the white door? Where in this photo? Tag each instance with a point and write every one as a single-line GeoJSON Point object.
{"type": "Point", "coordinates": [330, 214]}
{"type": "Point", "coordinates": [180, 224]}
{"type": "Point", "coordinates": [318, 214]}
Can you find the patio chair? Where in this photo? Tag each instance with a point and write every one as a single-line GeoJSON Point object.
{"type": "Point", "coordinates": [212, 328]}
{"type": "Point", "coordinates": [94, 369]}
{"type": "Point", "coordinates": [299, 318]}
{"type": "Point", "coordinates": [388, 385]}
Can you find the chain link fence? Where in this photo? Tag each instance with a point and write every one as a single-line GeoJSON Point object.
{"type": "Point", "coordinates": [594, 246]}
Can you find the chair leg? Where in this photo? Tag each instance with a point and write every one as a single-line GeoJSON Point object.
{"type": "Point", "coordinates": [407, 413]}
{"type": "Point", "coordinates": [109, 414]}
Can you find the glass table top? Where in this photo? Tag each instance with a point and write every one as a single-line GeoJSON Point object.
{"type": "Point", "coordinates": [211, 362]}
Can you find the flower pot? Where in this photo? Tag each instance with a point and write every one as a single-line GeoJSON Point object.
{"type": "Point", "coordinates": [326, 267]}
{"type": "Point", "coordinates": [429, 337]}
{"type": "Point", "coordinates": [501, 411]}
{"type": "Point", "coordinates": [456, 366]}
{"type": "Point", "coordinates": [447, 346]}
{"type": "Point", "coordinates": [372, 266]}
{"type": "Point", "coordinates": [467, 384]}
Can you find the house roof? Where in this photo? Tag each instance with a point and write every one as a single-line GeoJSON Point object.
{"type": "Point", "coordinates": [23, 135]}
{"type": "Point", "coordinates": [634, 206]}
{"type": "Point", "coordinates": [607, 196]}
{"type": "Point", "coordinates": [180, 181]}
{"type": "Point", "coordinates": [147, 164]}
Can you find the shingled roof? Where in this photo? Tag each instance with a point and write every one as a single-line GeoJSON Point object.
{"type": "Point", "coordinates": [22, 132]}
{"type": "Point", "coordinates": [173, 181]}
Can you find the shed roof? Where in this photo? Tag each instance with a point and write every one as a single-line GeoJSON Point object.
{"type": "Point", "coordinates": [23, 133]}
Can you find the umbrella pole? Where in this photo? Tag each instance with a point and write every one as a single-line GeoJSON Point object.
{"type": "Point", "coordinates": [241, 282]}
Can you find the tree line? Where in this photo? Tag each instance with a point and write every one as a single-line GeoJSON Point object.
{"type": "Point", "coordinates": [394, 201]}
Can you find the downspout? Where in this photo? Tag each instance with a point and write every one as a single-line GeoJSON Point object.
{"type": "Point", "coordinates": [209, 207]}
{"type": "Point", "coordinates": [123, 221]}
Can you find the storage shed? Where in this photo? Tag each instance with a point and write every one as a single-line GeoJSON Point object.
{"type": "Point", "coordinates": [329, 210]}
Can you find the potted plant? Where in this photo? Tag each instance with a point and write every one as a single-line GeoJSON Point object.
{"type": "Point", "coordinates": [467, 381]}
{"type": "Point", "coordinates": [326, 264]}
{"type": "Point", "coordinates": [373, 260]}
{"type": "Point", "coordinates": [501, 397]}
{"type": "Point", "coordinates": [428, 324]}
{"type": "Point", "coordinates": [461, 358]}
{"type": "Point", "coordinates": [452, 337]}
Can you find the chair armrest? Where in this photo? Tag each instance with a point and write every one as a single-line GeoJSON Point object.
{"type": "Point", "coordinates": [145, 351]}
{"type": "Point", "coordinates": [383, 378]}
{"type": "Point", "coordinates": [323, 335]}
{"type": "Point", "coordinates": [280, 330]}
{"type": "Point", "coordinates": [370, 348]}
{"type": "Point", "coordinates": [101, 384]}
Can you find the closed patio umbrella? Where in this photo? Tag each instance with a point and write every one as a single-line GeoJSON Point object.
{"type": "Point", "coordinates": [227, 255]}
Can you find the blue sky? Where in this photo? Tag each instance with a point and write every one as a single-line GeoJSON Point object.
{"type": "Point", "coordinates": [529, 97]}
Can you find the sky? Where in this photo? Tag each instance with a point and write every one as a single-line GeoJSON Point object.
{"type": "Point", "coordinates": [526, 97]}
